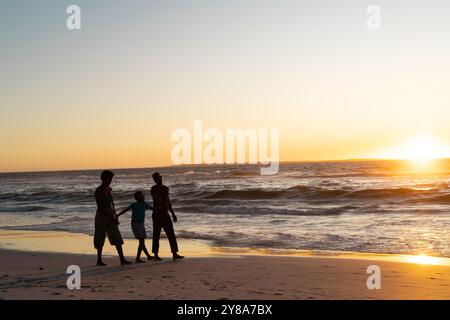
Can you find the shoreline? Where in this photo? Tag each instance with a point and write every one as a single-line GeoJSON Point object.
{"type": "Point", "coordinates": [208, 274]}
{"type": "Point", "coordinates": [64, 242]}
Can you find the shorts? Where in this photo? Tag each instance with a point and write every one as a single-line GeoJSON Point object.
{"type": "Point", "coordinates": [138, 230]}
{"type": "Point", "coordinates": [105, 227]}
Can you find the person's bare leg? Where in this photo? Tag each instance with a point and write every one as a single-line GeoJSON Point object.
{"type": "Point", "coordinates": [144, 248]}
{"type": "Point", "coordinates": [123, 261]}
{"type": "Point", "coordinates": [138, 256]}
{"type": "Point", "coordinates": [99, 257]}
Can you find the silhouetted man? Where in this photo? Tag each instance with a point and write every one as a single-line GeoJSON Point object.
{"type": "Point", "coordinates": [161, 218]}
{"type": "Point", "coordinates": [106, 219]}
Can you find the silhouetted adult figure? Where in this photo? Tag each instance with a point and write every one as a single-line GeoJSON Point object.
{"type": "Point", "coordinates": [106, 223]}
{"type": "Point", "coordinates": [161, 219]}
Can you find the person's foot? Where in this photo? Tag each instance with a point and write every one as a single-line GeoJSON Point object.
{"type": "Point", "coordinates": [176, 256]}
{"type": "Point", "coordinates": [101, 264]}
{"type": "Point", "coordinates": [157, 258]}
{"type": "Point", "coordinates": [125, 262]}
{"type": "Point", "coordinates": [149, 258]}
{"type": "Point", "coordinates": [139, 261]}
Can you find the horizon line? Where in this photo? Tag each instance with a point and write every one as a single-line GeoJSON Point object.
{"type": "Point", "coordinates": [214, 164]}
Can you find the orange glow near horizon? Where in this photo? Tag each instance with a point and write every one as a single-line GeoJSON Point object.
{"type": "Point", "coordinates": [420, 151]}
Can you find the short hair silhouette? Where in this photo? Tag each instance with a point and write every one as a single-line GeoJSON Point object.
{"type": "Point", "coordinates": [156, 175]}
{"type": "Point", "coordinates": [106, 174]}
{"type": "Point", "coordinates": [137, 195]}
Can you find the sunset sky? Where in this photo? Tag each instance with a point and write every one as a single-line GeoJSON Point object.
{"type": "Point", "coordinates": [109, 95]}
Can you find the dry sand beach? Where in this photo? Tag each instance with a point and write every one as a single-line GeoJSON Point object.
{"type": "Point", "coordinates": [207, 273]}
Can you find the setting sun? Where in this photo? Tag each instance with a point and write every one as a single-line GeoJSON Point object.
{"type": "Point", "coordinates": [420, 148]}
{"type": "Point", "coordinates": [423, 147]}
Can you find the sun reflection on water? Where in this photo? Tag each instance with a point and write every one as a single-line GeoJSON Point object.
{"type": "Point", "coordinates": [424, 259]}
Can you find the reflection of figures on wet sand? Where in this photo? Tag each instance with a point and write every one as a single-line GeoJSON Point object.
{"type": "Point", "coordinates": [106, 220]}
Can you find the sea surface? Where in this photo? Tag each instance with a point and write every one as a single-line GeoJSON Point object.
{"type": "Point", "coordinates": [362, 206]}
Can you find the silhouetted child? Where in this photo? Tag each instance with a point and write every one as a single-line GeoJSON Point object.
{"type": "Point", "coordinates": [137, 223]}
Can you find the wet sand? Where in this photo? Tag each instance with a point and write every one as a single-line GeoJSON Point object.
{"type": "Point", "coordinates": [206, 274]}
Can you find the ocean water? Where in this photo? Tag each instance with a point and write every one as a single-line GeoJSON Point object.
{"type": "Point", "coordinates": [363, 206]}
